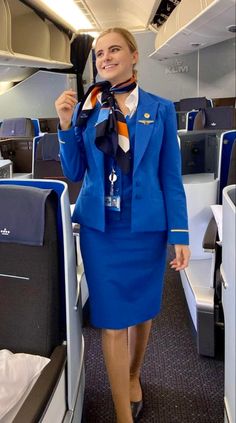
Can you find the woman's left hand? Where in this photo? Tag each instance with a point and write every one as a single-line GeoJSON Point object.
{"type": "Point", "coordinates": [182, 256]}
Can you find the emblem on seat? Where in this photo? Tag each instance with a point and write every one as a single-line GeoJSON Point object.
{"type": "Point", "coordinates": [5, 232]}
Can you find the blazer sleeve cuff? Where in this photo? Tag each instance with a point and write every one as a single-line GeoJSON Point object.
{"type": "Point", "coordinates": [65, 135]}
{"type": "Point", "coordinates": [178, 236]}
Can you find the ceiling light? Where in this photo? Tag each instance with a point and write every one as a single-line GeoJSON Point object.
{"type": "Point", "coordinates": [70, 13]}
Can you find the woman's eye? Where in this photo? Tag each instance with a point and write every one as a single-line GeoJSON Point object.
{"type": "Point", "coordinates": [114, 49]}
{"type": "Point", "coordinates": [99, 54]}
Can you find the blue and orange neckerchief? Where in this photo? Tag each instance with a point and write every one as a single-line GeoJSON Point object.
{"type": "Point", "coordinates": [112, 136]}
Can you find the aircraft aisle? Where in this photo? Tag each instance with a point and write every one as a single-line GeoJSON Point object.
{"type": "Point", "coordinates": [179, 385]}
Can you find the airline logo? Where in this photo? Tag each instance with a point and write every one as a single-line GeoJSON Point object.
{"type": "Point", "coordinates": [5, 232]}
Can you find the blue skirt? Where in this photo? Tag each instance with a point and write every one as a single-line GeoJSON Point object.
{"type": "Point", "coordinates": [124, 273]}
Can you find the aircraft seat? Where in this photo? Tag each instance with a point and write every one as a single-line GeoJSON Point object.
{"type": "Point", "coordinates": [223, 117]}
{"type": "Point", "coordinates": [37, 129]}
{"type": "Point", "coordinates": [177, 106]}
{"type": "Point", "coordinates": [224, 101]}
{"type": "Point", "coordinates": [40, 298]}
{"type": "Point", "coordinates": [16, 140]}
{"type": "Point", "coordinates": [17, 127]}
{"type": "Point", "coordinates": [46, 162]}
{"type": "Point", "coordinates": [48, 124]}
{"type": "Point", "coordinates": [187, 109]}
{"type": "Point", "coordinates": [202, 153]}
{"type": "Point", "coordinates": [228, 277]}
{"type": "Point", "coordinates": [185, 120]}
{"type": "Point", "coordinates": [213, 237]}
{"type": "Point", "coordinates": [194, 103]}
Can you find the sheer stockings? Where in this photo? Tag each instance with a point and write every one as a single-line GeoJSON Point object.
{"type": "Point", "coordinates": [123, 352]}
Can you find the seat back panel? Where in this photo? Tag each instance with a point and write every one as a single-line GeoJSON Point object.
{"type": "Point", "coordinates": [30, 292]}
{"type": "Point", "coordinates": [47, 164]}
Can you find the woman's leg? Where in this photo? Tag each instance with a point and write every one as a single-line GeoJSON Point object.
{"type": "Point", "coordinates": [116, 356]}
{"type": "Point", "coordinates": [137, 342]}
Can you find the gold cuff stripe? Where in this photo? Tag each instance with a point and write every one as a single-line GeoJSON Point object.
{"type": "Point", "coordinates": [179, 230]}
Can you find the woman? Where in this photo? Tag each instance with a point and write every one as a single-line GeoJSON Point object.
{"type": "Point", "coordinates": [122, 141]}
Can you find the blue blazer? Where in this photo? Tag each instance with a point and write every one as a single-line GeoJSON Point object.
{"type": "Point", "coordinates": [158, 198]}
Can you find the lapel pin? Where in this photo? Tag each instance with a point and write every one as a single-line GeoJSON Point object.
{"type": "Point", "coordinates": [146, 115]}
{"type": "Point", "coordinates": [146, 122]}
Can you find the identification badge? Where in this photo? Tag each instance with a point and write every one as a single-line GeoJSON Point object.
{"type": "Point", "coordinates": [113, 202]}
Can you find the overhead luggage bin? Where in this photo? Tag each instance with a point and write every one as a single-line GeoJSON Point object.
{"type": "Point", "coordinates": [28, 40]}
{"type": "Point", "coordinates": [29, 33]}
{"type": "Point", "coordinates": [4, 25]}
{"type": "Point", "coordinates": [59, 44]}
{"type": "Point", "coordinates": [194, 24]}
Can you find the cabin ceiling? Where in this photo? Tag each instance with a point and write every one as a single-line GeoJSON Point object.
{"type": "Point", "coordinates": [134, 15]}
{"type": "Point", "coordinates": [187, 25]}
{"type": "Point", "coordinates": [181, 25]}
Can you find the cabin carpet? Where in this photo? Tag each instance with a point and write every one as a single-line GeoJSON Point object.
{"type": "Point", "coordinates": [179, 386]}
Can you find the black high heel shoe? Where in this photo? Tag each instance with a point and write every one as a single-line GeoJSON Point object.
{"type": "Point", "coordinates": [136, 409]}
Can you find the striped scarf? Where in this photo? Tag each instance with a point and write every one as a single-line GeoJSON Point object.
{"type": "Point", "coordinates": [112, 136]}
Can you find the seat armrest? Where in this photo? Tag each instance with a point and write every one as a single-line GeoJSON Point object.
{"type": "Point", "coordinates": [34, 405]}
{"type": "Point", "coordinates": [211, 236]}
{"type": "Point", "coordinates": [76, 229]}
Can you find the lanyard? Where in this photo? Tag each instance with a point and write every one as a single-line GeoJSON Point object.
{"type": "Point", "coordinates": [112, 201]}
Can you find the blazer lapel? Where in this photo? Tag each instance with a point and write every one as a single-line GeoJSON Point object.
{"type": "Point", "coordinates": [97, 154]}
{"type": "Point", "coordinates": [146, 118]}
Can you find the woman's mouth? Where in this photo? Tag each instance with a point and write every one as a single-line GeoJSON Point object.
{"type": "Point", "coordinates": [107, 67]}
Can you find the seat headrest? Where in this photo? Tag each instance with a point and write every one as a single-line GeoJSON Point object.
{"type": "Point", "coordinates": [22, 214]}
{"type": "Point", "coordinates": [193, 103]}
{"type": "Point", "coordinates": [18, 127]}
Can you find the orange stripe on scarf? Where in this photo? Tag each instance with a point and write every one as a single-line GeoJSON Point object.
{"type": "Point", "coordinates": [94, 94]}
{"type": "Point", "coordinates": [122, 129]}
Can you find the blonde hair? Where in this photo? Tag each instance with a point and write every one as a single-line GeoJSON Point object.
{"type": "Point", "coordinates": [128, 37]}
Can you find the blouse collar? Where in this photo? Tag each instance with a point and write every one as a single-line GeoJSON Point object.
{"type": "Point", "coordinates": [131, 102]}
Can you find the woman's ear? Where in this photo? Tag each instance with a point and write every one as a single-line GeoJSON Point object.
{"type": "Point", "coordinates": [135, 57]}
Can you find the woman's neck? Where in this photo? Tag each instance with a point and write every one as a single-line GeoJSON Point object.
{"type": "Point", "coordinates": [121, 98]}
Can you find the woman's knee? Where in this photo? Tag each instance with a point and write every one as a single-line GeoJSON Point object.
{"type": "Point", "coordinates": [114, 334]}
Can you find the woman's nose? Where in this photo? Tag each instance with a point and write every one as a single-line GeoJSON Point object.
{"type": "Point", "coordinates": [107, 55]}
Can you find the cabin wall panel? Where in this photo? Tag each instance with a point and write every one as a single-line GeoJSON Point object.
{"type": "Point", "coordinates": [35, 97]}
{"type": "Point", "coordinates": [217, 70]}
{"type": "Point", "coordinates": [178, 77]}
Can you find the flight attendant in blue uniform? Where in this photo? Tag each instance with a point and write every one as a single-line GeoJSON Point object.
{"type": "Point", "coordinates": [122, 141]}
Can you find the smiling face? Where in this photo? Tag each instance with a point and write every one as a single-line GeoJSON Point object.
{"type": "Point", "coordinates": [114, 59]}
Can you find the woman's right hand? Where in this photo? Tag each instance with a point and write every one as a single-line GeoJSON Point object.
{"type": "Point", "coordinates": [65, 105]}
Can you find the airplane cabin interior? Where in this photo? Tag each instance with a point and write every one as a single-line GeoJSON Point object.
{"type": "Point", "coordinates": [43, 52]}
